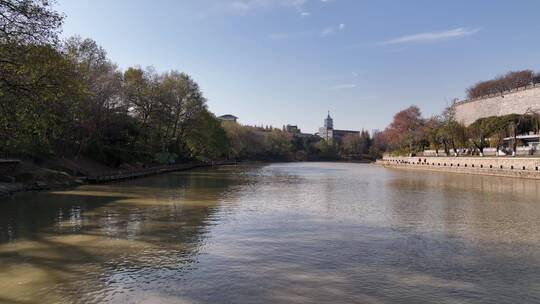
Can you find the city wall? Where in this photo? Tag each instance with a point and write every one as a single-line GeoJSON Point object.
{"type": "Point", "coordinates": [516, 101]}
{"type": "Point", "coordinates": [522, 167]}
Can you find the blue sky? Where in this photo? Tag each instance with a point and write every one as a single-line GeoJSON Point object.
{"type": "Point", "coordinates": [277, 62]}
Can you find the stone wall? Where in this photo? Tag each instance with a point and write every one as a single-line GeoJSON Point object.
{"type": "Point", "coordinates": [524, 167]}
{"type": "Point", "coordinates": [517, 101]}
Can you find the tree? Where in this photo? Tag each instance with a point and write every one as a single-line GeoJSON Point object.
{"type": "Point", "coordinates": [140, 93]}
{"type": "Point", "coordinates": [28, 30]}
{"type": "Point", "coordinates": [509, 81]}
{"type": "Point", "coordinates": [278, 144]}
{"type": "Point", "coordinates": [432, 130]}
{"type": "Point", "coordinates": [406, 130]}
{"type": "Point", "coordinates": [480, 131]}
{"type": "Point", "coordinates": [522, 124]}
{"type": "Point", "coordinates": [350, 145]}
{"type": "Point", "coordinates": [246, 142]}
{"type": "Point", "coordinates": [102, 86]}
{"type": "Point", "coordinates": [39, 103]}
{"type": "Point", "coordinates": [452, 133]}
{"type": "Point", "coordinates": [207, 139]}
{"type": "Point", "coordinates": [379, 144]}
{"type": "Point", "coordinates": [356, 144]}
{"type": "Point", "coordinates": [328, 150]}
{"type": "Point", "coordinates": [181, 102]}
{"type": "Point", "coordinates": [502, 129]}
{"type": "Point", "coordinates": [29, 22]}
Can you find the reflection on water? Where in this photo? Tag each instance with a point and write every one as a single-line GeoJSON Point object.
{"type": "Point", "coordinates": [282, 233]}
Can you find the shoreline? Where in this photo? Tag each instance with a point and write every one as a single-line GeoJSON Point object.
{"type": "Point", "coordinates": [9, 189]}
{"type": "Point", "coordinates": [525, 168]}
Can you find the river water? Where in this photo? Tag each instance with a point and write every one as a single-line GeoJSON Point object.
{"type": "Point", "coordinates": [280, 233]}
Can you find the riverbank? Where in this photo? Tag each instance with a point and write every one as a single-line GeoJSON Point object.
{"type": "Point", "coordinates": [28, 176]}
{"type": "Point", "coordinates": [522, 167]}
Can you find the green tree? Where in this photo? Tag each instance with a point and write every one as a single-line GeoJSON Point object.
{"type": "Point", "coordinates": [328, 150]}
{"type": "Point", "coordinates": [39, 104]}
{"type": "Point", "coordinates": [480, 131]}
{"type": "Point", "coordinates": [245, 142]}
{"type": "Point", "coordinates": [207, 139]}
{"type": "Point", "coordinates": [278, 144]}
{"type": "Point", "coordinates": [102, 84]}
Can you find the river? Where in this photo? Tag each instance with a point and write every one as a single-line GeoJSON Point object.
{"type": "Point", "coordinates": [279, 233]}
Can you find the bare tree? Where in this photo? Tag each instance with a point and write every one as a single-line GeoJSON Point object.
{"type": "Point", "coordinates": [509, 81]}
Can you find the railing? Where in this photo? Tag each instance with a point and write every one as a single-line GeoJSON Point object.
{"type": "Point", "coordinates": [479, 164]}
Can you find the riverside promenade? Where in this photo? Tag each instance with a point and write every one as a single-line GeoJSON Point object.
{"type": "Point", "coordinates": [521, 167]}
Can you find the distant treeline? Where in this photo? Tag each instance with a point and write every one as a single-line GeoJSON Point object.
{"type": "Point", "coordinates": [248, 142]}
{"type": "Point", "coordinates": [68, 99]}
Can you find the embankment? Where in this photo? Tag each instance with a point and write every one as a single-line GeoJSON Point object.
{"type": "Point", "coordinates": [520, 167]}
{"type": "Point", "coordinates": [130, 174]}
{"type": "Point", "coordinates": [27, 176]}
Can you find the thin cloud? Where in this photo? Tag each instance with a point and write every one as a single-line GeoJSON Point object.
{"type": "Point", "coordinates": [330, 30]}
{"type": "Point", "coordinates": [246, 6]}
{"type": "Point", "coordinates": [343, 86]}
{"type": "Point", "coordinates": [345, 76]}
{"type": "Point", "coordinates": [429, 37]}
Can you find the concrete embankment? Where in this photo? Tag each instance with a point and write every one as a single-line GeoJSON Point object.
{"type": "Point", "coordinates": [495, 166]}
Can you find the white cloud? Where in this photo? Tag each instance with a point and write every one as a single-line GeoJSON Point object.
{"type": "Point", "coordinates": [343, 86]}
{"type": "Point", "coordinates": [432, 36]}
{"type": "Point", "coordinates": [305, 14]}
{"type": "Point", "coordinates": [342, 26]}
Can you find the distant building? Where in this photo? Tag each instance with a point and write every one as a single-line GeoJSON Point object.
{"type": "Point", "coordinates": [296, 132]}
{"type": "Point", "coordinates": [228, 117]}
{"type": "Point", "coordinates": [328, 132]}
{"type": "Point", "coordinates": [292, 129]}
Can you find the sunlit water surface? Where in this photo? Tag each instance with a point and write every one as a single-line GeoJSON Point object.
{"type": "Point", "coordinates": [281, 233]}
